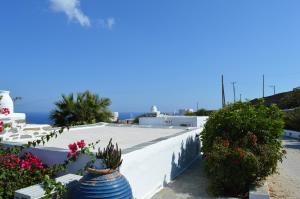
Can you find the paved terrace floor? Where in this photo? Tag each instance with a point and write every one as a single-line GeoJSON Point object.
{"type": "Point", "coordinates": [286, 184]}
{"type": "Point", "coordinates": [192, 184]}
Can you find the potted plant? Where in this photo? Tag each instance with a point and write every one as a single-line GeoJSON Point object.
{"type": "Point", "coordinates": [104, 180]}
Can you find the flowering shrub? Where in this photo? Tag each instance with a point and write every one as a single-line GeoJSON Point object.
{"type": "Point", "coordinates": [241, 146]}
{"type": "Point", "coordinates": [19, 171]}
{"type": "Point", "coordinates": [28, 161]}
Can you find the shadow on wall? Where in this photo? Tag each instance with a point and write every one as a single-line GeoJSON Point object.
{"type": "Point", "coordinates": [189, 152]}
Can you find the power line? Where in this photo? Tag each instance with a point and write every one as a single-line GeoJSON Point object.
{"type": "Point", "coordinates": [223, 92]}
{"type": "Point", "coordinates": [274, 89]}
{"type": "Point", "coordinates": [233, 86]}
{"type": "Point", "coordinates": [263, 86]}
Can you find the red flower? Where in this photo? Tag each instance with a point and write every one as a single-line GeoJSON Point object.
{"type": "Point", "coordinates": [5, 111]}
{"type": "Point", "coordinates": [27, 161]}
{"type": "Point", "coordinates": [1, 129]}
{"type": "Point", "coordinates": [73, 147]}
{"type": "Point", "coordinates": [1, 123]}
{"type": "Point", "coordinates": [81, 144]}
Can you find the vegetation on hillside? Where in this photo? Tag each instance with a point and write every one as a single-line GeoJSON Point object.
{"type": "Point", "coordinates": [242, 146]}
{"type": "Point", "coordinates": [292, 120]}
{"type": "Point", "coordinates": [285, 100]}
{"type": "Point", "coordinates": [82, 108]}
{"type": "Point", "coordinates": [290, 100]}
{"type": "Point", "coordinates": [200, 112]}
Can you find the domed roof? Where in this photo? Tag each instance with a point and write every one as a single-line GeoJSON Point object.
{"type": "Point", "coordinates": [154, 109]}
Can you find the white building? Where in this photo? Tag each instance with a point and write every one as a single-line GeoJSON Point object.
{"type": "Point", "coordinates": [7, 103]}
{"type": "Point", "coordinates": [154, 110]}
{"type": "Point", "coordinates": [115, 116]}
{"type": "Point", "coordinates": [184, 111]}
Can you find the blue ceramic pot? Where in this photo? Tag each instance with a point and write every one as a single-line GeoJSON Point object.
{"type": "Point", "coordinates": [107, 186]}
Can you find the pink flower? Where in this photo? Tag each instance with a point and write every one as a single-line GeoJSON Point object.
{"type": "Point", "coordinates": [5, 111]}
{"type": "Point", "coordinates": [81, 144]}
{"type": "Point", "coordinates": [73, 147]}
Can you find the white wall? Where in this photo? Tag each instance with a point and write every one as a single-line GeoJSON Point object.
{"type": "Point", "coordinates": [193, 121]}
{"type": "Point", "coordinates": [293, 134]}
{"type": "Point", "coordinates": [147, 169]}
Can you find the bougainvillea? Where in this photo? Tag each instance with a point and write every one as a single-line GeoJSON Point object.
{"type": "Point", "coordinates": [27, 161]}
{"type": "Point", "coordinates": [241, 146]}
{"type": "Point", "coordinates": [74, 148]}
{"type": "Point", "coordinates": [19, 169]}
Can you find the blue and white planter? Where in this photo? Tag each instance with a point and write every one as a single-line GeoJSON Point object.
{"type": "Point", "coordinates": [103, 184]}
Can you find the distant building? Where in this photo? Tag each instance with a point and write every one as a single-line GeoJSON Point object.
{"type": "Point", "coordinates": [154, 110]}
{"type": "Point", "coordinates": [184, 111]}
{"type": "Point", "coordinates": [6, 103]}
{"type": "Point", "coordinates": [126, 121]}
{"type": "Point", "coordinates": [115, 117]}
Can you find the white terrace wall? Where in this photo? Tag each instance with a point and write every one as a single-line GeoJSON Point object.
{"type": "Point", "coordinates": [292, 134]}
{"type": "Point", "coordinates": [147, 168]}
{"type": "Point", "coordinates": [152, 167]}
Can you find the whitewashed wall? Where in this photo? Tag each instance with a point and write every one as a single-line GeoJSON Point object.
{"type": "Point", "coordinates": [293, 134]}
{"type": "Point", "coordinates": [193, 121]}
{"type": "Point", "coordinates": [152, 167]}
{"type": "Point", "coordinates": [147, 169]}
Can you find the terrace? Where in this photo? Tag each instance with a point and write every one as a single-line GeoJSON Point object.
{"type": "Point", "coordinates": [178, 148]}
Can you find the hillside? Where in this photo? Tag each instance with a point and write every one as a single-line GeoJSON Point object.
{"type": "Point", "coordinates": [285, 100]}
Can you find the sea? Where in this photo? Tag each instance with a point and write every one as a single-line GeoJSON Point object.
{"type": "Point", "coordinates": [43, 118]}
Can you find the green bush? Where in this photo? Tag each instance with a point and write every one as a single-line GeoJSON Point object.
{"type": "Point", "coordinates": [292, 120]}
{"type": "Point", "coordinates": [200, 112]}
{"type": "Point", "coordinates": [241, 146]}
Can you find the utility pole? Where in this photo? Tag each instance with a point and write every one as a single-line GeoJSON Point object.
{"type": "Point", "coordinates": [240, 97]}
{"type": "Point", "coordinates": [197, 106]}
{"type": "Point", "coordinates": [274, 89]}
{"type": "Point", "coordinates": [233, 86]}
{"type": "Point", "coordinates": [223, 93]}
{"type": "Point", "coordinates": [263, 86]}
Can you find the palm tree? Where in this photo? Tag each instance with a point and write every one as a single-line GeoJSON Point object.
{"type": "Point", "coordinates": [83, 108]}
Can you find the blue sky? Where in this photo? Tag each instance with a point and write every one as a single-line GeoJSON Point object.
{"type": "Point", "coordinates": [170, 53]}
